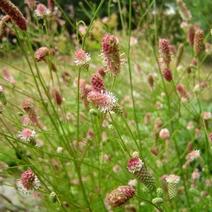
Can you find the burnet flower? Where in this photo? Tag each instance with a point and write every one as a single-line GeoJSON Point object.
{"type": "Point", "coordinates": [97, 82]}
{"type": "Point", "coordinates": [119, 196]}
{"type": "Point", "coordinates": [8, 76]}
{"type": "Point", "coordinates": [27, 135]}
{"type": "Point", "coordinates": [190, 157]}
{"type": "Point", "coordinates": [164, 51]}
{"type": "Point", "coordinates": [28, 182]}
{"type": "Point", "coordinates": [164, 134]}
{"type": "Point", "coordinates": [172, 181]}
{"type": "Point", "coordinates": [81, 58]}
{"type": "Point", "coordinates": [198, 41]}
{"type": "Point", "coordinates": [138, 168]}
{"type": "Point", "coordinates": [42, 53]}
{"type": "Point", "coordinates": [111, 53]}
{"type": "Point", "coordinates": [104, 100]}
{"type": "Point", "coordinates": [15, 14]}
{"type": "Point", "coordinates": [42, 11]}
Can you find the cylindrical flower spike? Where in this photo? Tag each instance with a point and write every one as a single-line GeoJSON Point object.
{"type": "Point", "coordinates": [119, 196]}
{"type": "Point", "coordinates": [110, 51]}
{"type": "Point", "coordinates": [184, 12]}
{"type": "Point", "coordinates": [172, 182]}
{"type": "Point", "coordinates": [191, 33]}
{"type": "Point", "coordinates": [28, 182]}
{"type": "Point", "coordinates": [15, 14]}
{"type": "Point", "coordinates": [165, 54]}
{"type": "Point", "coordinates": [198, 41]}
{"type": "Point", "coordinates": [97, 83]}
{"type": "Point", "coordinates": [167, 74]}
{"type": "Point", "coordinates": [137, 167]}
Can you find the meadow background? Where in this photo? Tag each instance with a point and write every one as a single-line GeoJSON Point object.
{"type": "Point", "coordinates": [95, 95]}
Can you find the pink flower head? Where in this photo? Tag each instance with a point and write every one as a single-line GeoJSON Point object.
{"type": "Point", "coordinates": [182, 91]}
{"type": "Point", "coordinates": [26, 134]}
{"type": "Point", "coordinates": [81, 57]}
{"type": "Point", "coordinates": [7, 76]}
{"type": "Point", "coordinates": [28, 182]}
{"type": "Point", "coordinates": [119, 196]}
{"type": "Point", "coordinates": [42, 10]}
{"type": "Point", "coordinates": [110, 51]}
{"type": "Point", "coordinates": [172, 179]}
{"type": "Point", "coordinates": [25, 120]}
{"type": "Point", "coordinates": [105, 101]}
{"type": "Point", "coordinates": [193, 155]}
{"type": "Point", "coordinates": [164, 134]}
{"type": "Point", "coordinates": [207, 115]}
{"type": "Point", "coordinates": [42, 52]}
{"type": "Point", "coordinates": [135, 164]}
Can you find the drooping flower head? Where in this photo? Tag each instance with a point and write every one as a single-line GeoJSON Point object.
{"type": "Point", "coordinates": [105, 101]}
{"type": "Point", "coordinates": [110, 51]}
{"type": "Point", "coordinates": [27, 135]}
{"type": "Point", "coordinates": [81, 57]}
{"type": "Point", "coordinates": [119, 196]}
{"type": "Point", "coordinates": [15, 14]}
{"type": "Point", "coordinates": [28, 182]}
{"type": "Point", "coordinates": [42, 11]}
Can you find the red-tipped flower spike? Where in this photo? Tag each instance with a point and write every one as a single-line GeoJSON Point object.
{"type": "Point", "coordinates": [97, 83]}
{"type": "Point", "coordinates": [105, 101]}
{"type": "Point", "coordinates": [167, 74]}
{"type": "Point", "coordinates": [28, 182]}
{"type": "Point", "coordinates": [165, 54]}
{"type": "Point", "coordinates": [137, 167]}
{"type": "Point", "coordinates": [119, 196]}
{"type": "Point", "coordinates": [110, 51]}
{"type": "Point", "coordinates": [198, 41]}
{"type": "Point", "coordinates": [191, 34]}
{"type": "Point", "coordinates": [15, 14]}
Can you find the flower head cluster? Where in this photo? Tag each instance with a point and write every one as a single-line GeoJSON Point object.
{"type": "Point", "coordinates": [42, 11]}
{"type": "Point", "coordinates": [15, 14]}
{"type": "Point", "coordinates": [82, 58]}
{"type": "Point", "coordinates": [119, 196]}
{"type": "Point", "coordinates": [27, 135]}
{"type": "Point", "coordinates": [104, 100]}
{"type": "Point", "coordinates": [28, 182]}
{"type": "Point", "coordinates": [110, 51]}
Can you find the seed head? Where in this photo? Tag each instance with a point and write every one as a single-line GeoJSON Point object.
{"type": "Point", "coordinates": [15, 14]}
